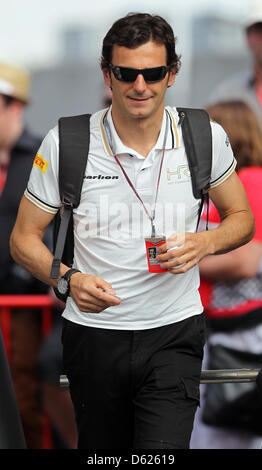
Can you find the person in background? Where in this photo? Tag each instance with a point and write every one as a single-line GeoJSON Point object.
{"type": "Point", "coordinates": [31, 377]}
{"type": "Point", "coordinates": [246, 86]}
{"type": "Point", "coordinates": [234, 304]}
{"type": "Point", "coordinates": [18, 146]}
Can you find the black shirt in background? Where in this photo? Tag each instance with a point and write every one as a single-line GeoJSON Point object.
{"type": "Point", "coordinates": [13, 278]}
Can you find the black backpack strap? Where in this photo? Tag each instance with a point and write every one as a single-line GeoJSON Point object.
{"type": "Point", "coordinates": [74, 139]}
{"type": "Point", "coordinates": [197, 136]}
{"type": "Point", "coordinates": [204, 199]}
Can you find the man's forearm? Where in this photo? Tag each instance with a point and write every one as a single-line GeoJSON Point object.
{"type": "Point", "coordinates": [31, 253]}
{"type": "Point", "coordinates": [237, 225]}
{"type": "Point", "coordinates": [234, 231]}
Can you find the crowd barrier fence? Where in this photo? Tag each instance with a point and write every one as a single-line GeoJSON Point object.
{"type": "Point", "coordinates": [210, 376]}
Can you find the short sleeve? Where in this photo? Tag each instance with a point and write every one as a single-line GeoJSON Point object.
{"type": "Point", "coordinates": [223, 160]}
{"type": "Point", "coordinates": [42, 188]}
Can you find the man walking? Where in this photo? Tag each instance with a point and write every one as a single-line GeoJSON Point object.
{"type": "Point", "coordinates": [133, 340]}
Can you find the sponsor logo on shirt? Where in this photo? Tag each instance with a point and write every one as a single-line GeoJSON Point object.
{"type": "Point", "coordinates": [180, 174]}
{"type": "Point", "coordinates": [100, 177]}
{"type": "Point", "coordinates": [41, 163]}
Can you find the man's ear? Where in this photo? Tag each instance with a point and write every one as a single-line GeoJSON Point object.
{"type": "Point", "coordinates": [17, 108]}
{"type": "Point", "coordinates": [107, 77]}
{"type": "Point", "coordinates": [171, 78]}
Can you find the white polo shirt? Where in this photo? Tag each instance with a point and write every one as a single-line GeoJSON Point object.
{"type": "Point", "coordinates": [110, 223]}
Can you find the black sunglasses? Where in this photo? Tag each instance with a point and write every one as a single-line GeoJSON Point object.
{"type": "Point", "coordinates": [153, 75]}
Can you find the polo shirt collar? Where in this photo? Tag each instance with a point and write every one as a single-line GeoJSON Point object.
{"type": "Point", "coordinates": [113, 143]}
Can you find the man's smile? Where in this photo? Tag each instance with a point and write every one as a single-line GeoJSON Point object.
{"type": "Point", "coordinates": [139, 99]}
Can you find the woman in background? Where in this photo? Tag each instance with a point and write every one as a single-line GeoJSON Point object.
{"type": "Point", "coordinates": [231, 291]}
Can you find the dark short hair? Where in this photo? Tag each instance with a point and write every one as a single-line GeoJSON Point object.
{"type": "Point", "coordinates": [255, 27]}
{"type": "Point", "coordinates": [136, 29]}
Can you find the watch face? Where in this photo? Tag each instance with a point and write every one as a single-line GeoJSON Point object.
{"type": "Point", "coordinates": [62, 286]}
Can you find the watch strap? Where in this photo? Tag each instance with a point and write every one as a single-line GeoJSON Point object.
{"type": "Point", "coordinates": [66, 276]}
{"type": "Point", "coordinates": [69, 273]}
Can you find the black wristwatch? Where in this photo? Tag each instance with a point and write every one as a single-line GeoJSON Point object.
{"type": "Point", "coordinates": [63, 284]}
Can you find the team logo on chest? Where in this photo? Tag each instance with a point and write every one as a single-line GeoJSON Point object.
{"type": "Point", "coordinates": [180, 174]}
{"type": "Point", "coordinates": [101, 177]}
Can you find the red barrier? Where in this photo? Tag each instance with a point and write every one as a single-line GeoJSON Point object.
{"type": "Point", "coordinates": [46, 304]}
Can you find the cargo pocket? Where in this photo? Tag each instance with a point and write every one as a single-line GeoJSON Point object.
{"type": "Point", "coordinates": [191, 388]}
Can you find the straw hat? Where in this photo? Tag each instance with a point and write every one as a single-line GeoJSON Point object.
{"type": "Point", "coordinates": [255, 14]}
{"type": "Point", "coordinates": [14, 81]}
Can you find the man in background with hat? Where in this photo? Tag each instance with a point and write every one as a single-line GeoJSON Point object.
{"type": "Point", "coordinates": [32, 360]}
{"type": "Point", "coordinates": [247, 86]}
{"type": "Point", "coordinates": [18, 147]}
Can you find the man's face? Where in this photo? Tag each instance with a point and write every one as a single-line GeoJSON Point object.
{"type": "Point", "coordinates": [254, 40]}
{"type": "Point", "coordinates": [9, 121]}
{"type": "Point", "coordinates": [138, 99]}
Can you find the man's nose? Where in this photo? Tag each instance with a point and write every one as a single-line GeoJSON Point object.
{"type": "Point", "coordinates": [140, 83]}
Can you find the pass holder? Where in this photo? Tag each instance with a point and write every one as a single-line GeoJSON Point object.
{"type": "Point", "coordinates": [151, 251]}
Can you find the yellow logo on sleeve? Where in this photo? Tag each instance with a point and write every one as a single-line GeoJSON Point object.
{"type": "Point", "coordinates": [41, 163]}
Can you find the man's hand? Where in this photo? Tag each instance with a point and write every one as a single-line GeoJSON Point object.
{"type": "Point", "coordinates": [92, 293]}
{"type": "Point", "coordinates": [179, 254]}
{"type": "Point", "coordinates": [237, 227]}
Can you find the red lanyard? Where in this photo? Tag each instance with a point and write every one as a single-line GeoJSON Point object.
{"type": "Point", "coordinates": [151, 217]}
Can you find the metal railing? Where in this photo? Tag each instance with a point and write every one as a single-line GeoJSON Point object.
{"type": "Point", "coordinates": [229, 375]}
{"type": "Point", "coordinates": [209, 376]}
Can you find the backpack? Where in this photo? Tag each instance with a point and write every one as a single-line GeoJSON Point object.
{"type": "Point", "coordinates": [74, 139]}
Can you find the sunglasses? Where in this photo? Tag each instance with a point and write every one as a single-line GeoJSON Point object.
{"type": "Point", "coordinates": [128, 75]}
